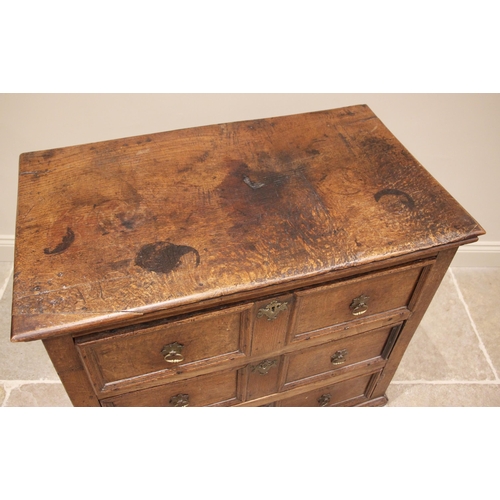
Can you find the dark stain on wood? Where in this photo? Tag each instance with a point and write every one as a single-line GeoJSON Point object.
{"type": "Point", "coordinates": [128, 224]}
{"type": "Point", "coordinates": [129, 221]}
{"type": "Point", "coordinates": [282, 205]}
{"type": "Point", "coordinates": [251, 206]}
{"type": "Point", "coordinates": [404, 198]}
{"type": "Point", "coordinates": [163, 256]}
{"type": "Point", "coordinates": [203, 157]}
{"type": "Point", "coordinates": [376, 145]}
{"type": "Point", "coordinates": [66, 242]}
{"type": "Point", "coordinates": [47, 155]}
{"type": "Point", "coordinates": [313, 151]}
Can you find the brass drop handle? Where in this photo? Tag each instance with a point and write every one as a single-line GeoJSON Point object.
{"type": "Point", "coordinates": [324, 399]}
{"type": "Point", "coordinates": [339, 357]}
{"type": "Point", "coordinates": [180, 400]}
{"type": "Point", "coordinates": [359, 305]}
{"type": "Point", "coordinates": [272, 310]}
{"type": "Point", "coordinates": [172, 353]}
{"type": "Point", "coordinates": [264, 367]}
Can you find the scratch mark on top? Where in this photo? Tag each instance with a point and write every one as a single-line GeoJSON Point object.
{"type": "Point", "coordinates": [36, 173]}
{"type": "Point", "coordinates": [253, 185]}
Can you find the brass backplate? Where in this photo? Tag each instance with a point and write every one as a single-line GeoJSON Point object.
{"type": "Point", "coordinates": [272, 310]}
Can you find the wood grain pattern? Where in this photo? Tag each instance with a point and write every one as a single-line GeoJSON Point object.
{"type": "Point", "coordinates": [142, 225]}
{"type": "Point", "coordinates": [69, 367]}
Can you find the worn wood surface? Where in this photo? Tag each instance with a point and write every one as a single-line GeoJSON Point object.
{"type": "Point", "coordinates": [109, 230]}
{"type": "Point", "coordinates": [352, 389]}
{"type": "Point", "coordinates": [69, 367]}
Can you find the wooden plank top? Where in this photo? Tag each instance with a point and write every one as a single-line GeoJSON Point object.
{"type": "Point", "coordinates": [113, 229]}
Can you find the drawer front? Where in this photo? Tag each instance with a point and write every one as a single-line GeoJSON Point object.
{"type": "Point", "coordinates": [220, 389]}
{"type": "Point", "coordinates": [352, 391]}
{"type": "Point", "coordinates": [351, 300]}
{"type": "Point", "coordinates": [263, 377]}
{"type": "Point", "coordinates": [166, 349]}
{"type": "Point", "coordinates": [331, 356]}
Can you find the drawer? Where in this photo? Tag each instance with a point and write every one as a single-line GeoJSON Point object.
{"type": "Point", "coordinates": [220, 389]}
{"type": "Point", "coordinates": [354, 391]}
{"type": "Point", "coordinates": [323, 359]}
{"type": "Point", "coordinates": [355, 300]}
{"type": "Point", "coordinates": [165, 349]}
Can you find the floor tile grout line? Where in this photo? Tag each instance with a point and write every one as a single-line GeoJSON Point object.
{"type": "Point", "coordinates": [10, 385]}
{"type": "Point", "coordinates": [3, 287]}
{"type": "Point", "coordinates": [8, 390]}
{"type": "Point", "coordinates": [15, 383]}
{"type": "Point", "coordinates": [445, 382]}
{"type": "Point", "coordinates": [473, 324]}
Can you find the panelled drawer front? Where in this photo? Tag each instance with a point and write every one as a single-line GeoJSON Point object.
{"type": "Point", "coordinates": [166, 349]}
{"type": "Point", "coordinates": [359, 298]}
{"type": "Point", "coordinates": [331, 356]}
{"type": "Point", "coordinates": [354, 390]}
{"type": "Point", "coordinates": [220, 389]}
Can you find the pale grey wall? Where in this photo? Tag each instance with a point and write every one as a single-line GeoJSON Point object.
{"type": "Point", "coordinates": [455, 136]}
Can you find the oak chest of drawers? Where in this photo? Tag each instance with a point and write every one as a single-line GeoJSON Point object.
{"type": "Point", "coordinates": [276, 262]}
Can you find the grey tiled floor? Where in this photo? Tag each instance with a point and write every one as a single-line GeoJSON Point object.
{"type": "Point", "coordinates": [453, 359]}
